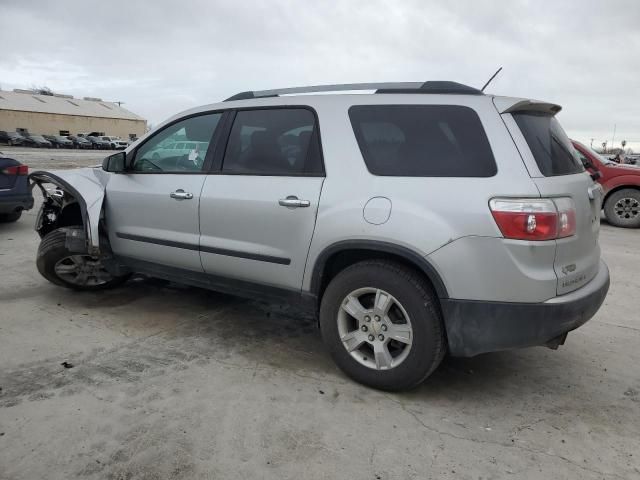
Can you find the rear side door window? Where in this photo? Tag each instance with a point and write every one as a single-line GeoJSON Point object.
{"type": "Point", "coordinates": [422, 141]}
{"type": "Point", "coordinates": [278, 141]}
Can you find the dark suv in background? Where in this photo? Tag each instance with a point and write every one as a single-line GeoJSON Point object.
{"type": "Point", "coordinates": [59, 141]}
{"type": "Point", "coordinates": [11, 138]}
{"type": "Point", "coordinates": [80, 142]}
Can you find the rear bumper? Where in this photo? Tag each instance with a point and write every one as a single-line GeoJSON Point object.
{"type": "Point", "coordinates": [475, 327]}
{"type": "Point", "coordinates": [14, 203]}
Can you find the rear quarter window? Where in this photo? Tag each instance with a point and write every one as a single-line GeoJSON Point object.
{"type": "Point", "coordinates": [548, 143]}
{"type": "Point", "coordinates": [422, 141]}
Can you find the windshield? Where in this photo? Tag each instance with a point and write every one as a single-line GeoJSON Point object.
{"type": "Point", "coordinates": [37, 137]}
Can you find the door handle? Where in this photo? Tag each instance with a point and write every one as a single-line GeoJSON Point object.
{"type": "Point", "coordinates": [293, 202]}
{"type": "Point", "coordinates": [181, 195]}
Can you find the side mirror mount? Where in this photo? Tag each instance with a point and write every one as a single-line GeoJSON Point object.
{"type": "Point", "coordinates": [115, 163]}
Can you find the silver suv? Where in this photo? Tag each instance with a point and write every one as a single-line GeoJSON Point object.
{"type": "Point", "coordinates": [418, 219]}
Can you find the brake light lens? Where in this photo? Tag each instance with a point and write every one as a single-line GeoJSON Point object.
{"type": "Point", "coordinates": [566, 217]}
{"type": "Point", "coordinates": [16, 170]}
{"type": "Point", "coordinates": [534, 219]}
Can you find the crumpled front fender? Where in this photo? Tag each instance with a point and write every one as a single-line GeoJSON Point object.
{"type": "Point", "coordinates": [87, 187]}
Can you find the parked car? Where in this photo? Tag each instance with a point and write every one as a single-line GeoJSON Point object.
{"type": "Point", "coordinates": [98, 143]}
{"type": "Point", "coordinates": [427, 218]}
{"type": "Point", "coordinates": [15, 194]}
{"type": "Point", "coordinates": [178, 149]}
{"type": "Point", "coordinates": [80, 142]}
{"type": "Point", "coordinates": [59, 141]}
{"type": "Point", "coordinates": [37, 141]}
{"type": "Point", "coordinates": [116, 143]}
{"type": "Point", "coordinates": [11, 138]}
{"type": "Point", "coordinates": [621, 184]}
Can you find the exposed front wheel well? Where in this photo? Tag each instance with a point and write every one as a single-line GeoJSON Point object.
{"type": "Point", "coordinates": [66, 216]}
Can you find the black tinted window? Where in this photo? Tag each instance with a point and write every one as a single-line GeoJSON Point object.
{"type": "Point", "coordinates": [549, 144]}
{"type": "Point", "coordinates": [273, 142]}
{"type": "Point", "coordinates": [422, 141]}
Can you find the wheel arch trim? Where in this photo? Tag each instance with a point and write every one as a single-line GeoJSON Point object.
{"type": "Point", "coordinates": [617, 188]}
{"type": "Point", "coordinates": [413, 257]}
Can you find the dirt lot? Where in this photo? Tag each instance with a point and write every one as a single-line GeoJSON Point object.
{"type": "Point", "coordinates": [176, 382]}
{"type": "Point", "coordinates": [58, 159]}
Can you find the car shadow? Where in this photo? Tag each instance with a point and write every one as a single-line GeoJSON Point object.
{"type": "Point", "coordinates": [278, 336]}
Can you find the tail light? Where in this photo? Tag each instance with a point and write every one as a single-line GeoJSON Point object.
{"type": "Point", "coordinates": [534, 219]}
{"type": "Point", "coordinates": [16, 170]}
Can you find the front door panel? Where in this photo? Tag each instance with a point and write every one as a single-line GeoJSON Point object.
{"type": "Point", "coordinates": [146, 223]}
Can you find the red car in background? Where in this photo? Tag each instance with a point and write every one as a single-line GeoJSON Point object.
{"type": "Point", "coordinates": [621, 184]}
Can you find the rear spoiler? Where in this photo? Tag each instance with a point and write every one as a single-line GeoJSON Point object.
{"type": "Point", "coordinates": [511, 105]}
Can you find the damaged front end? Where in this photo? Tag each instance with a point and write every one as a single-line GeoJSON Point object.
{"type": "Point", "coordinates": [72, 198]}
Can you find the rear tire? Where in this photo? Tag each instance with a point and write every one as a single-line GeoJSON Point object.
{"type": "Point", "coordinates": [10, 217]}
{"type": "Point", "coordinates": [73, 270]}
{"type": "Point", "coordinates": [622, 208]}
{"type": "Point", "coordinates": [410, 348]}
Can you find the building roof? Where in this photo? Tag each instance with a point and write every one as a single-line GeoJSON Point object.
{"type": "Point", "coordinates": [27, 101]}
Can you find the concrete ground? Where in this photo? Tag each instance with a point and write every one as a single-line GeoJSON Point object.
{"type": "Point", "coordinates": [177, 382]}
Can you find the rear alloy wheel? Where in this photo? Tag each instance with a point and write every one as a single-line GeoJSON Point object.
{"type": "Point", "coordinates": [79, 271]}
{"type": "Point", "coordinates": [378, 336]}
{"type": "Point", "coordinates": [622, 208]}
{"type": "Point", "coordinates": [382, 326]}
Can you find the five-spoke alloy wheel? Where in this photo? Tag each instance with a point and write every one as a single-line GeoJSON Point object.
{"type": "Point", "coordinates": [75, 270]}
{"type": "Point", "coordinates": [374, 328]}
{"type": "Point", "coordinates": [82, 270]}
{"type": "Point", "coordinates": [381, 323]}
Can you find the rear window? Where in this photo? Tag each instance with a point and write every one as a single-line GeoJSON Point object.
{"type": "Point", "coordinates": [422, 141]}
{"type": "Point", "coordinates": [548, 143]}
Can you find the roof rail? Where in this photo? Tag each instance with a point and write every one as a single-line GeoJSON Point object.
{"type": "Point", "coordinates": [433, 87]}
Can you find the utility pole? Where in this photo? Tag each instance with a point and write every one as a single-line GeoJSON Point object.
{"type": "Point", "coordinates": [592, 143]}
{"type": "Point", "coordinates": [614, 135]}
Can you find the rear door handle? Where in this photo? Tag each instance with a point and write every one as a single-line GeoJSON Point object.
{"type": "Point", "coordinates": [181, 195]}
{"type": "Point", "coordinates": [293, 202]}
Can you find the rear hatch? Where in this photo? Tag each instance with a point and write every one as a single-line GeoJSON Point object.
{"type": "Point", "coordinates": [558, 173]}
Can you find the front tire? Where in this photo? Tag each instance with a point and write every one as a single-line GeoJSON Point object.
{"type": "Point", "coordinates": [382, 325]}
{"type": "Point", "coordinates": [622, 208]}
{"type": "Point", "coordinates": [78, 271]}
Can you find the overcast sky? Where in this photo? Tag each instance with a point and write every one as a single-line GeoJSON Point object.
{"type": "Point", "coordinates": [162, 57]}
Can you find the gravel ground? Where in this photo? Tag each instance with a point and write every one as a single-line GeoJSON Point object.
{"type": "Point", "coordinates": [176, 382]}
{"type": "Point", "coordinates": [54, 159]}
